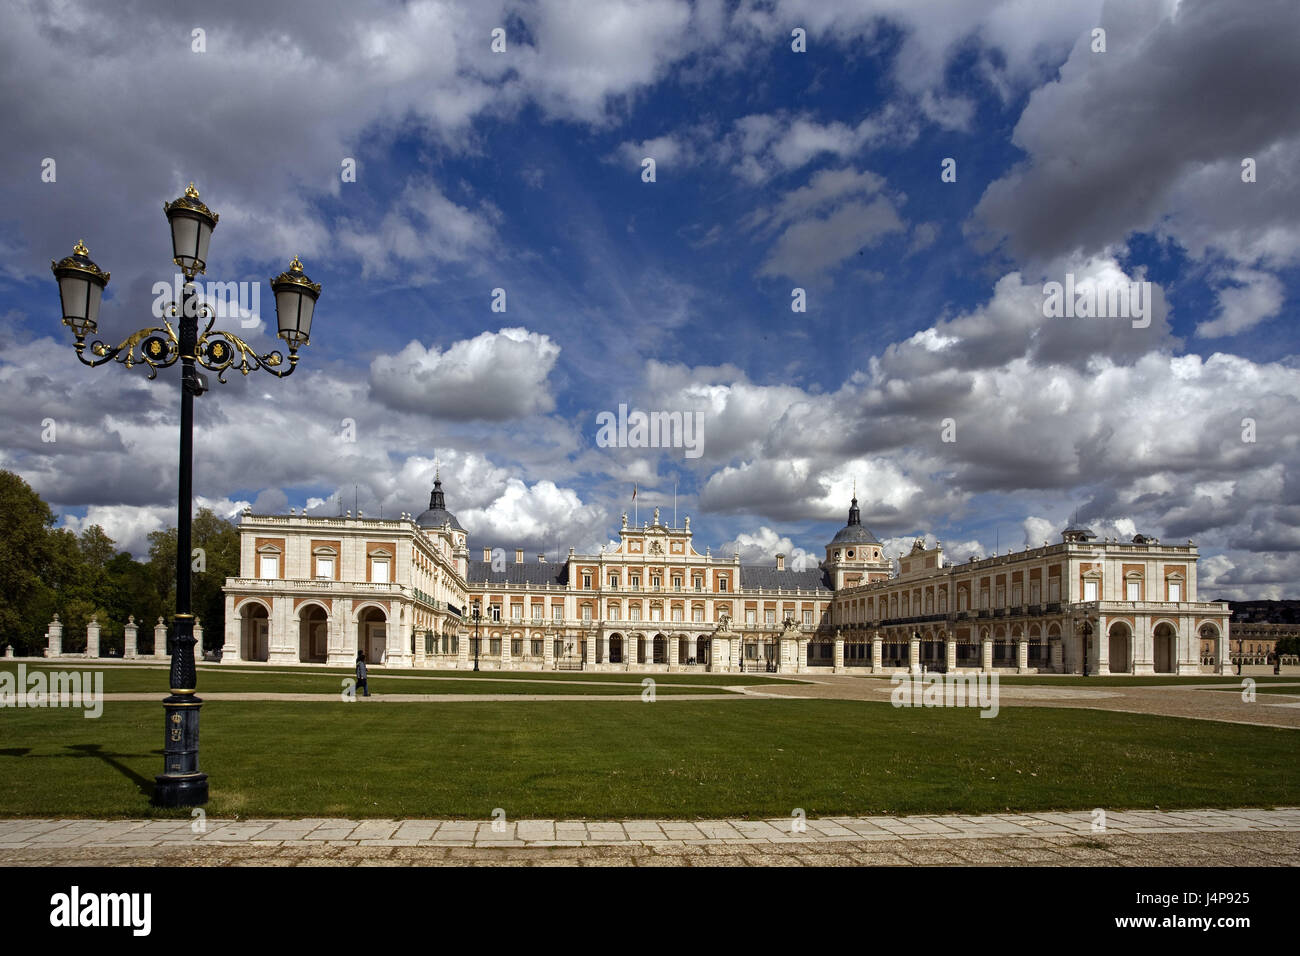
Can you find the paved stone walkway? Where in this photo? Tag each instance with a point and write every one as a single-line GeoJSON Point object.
{"type": "Point", "coordinates": [1197, 837]}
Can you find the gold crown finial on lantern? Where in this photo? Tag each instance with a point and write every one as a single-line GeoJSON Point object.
{"type": "Point", "coordinates": [80, 248]}
{"type": "Point", "coordinates": [296, 265]}
{"type": "Point", "coordinates": [191, 192]}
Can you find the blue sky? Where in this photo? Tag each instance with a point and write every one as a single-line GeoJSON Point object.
{"type": "Point", "coordinates": [775, 170]}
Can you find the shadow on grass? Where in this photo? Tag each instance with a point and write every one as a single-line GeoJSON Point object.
{"type": "Point", "coordinates": [144, 784]}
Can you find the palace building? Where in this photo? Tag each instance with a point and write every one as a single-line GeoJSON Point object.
{"type": "Point", "coordinates": [404, 592]}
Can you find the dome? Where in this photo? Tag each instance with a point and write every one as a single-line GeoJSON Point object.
{"type": "Point", "coordinates": [438, 515]}
{"type": "Point", "coordinates": [853, 532]}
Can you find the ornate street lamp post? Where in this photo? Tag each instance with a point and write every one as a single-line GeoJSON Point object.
{"type": "Point", "coordinates": [81, 288]}
{"type": "Point", "coordinates": [476, 615]}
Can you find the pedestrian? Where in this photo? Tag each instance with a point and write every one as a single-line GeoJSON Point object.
{"type": "Point", "coordinates": [361, 674]}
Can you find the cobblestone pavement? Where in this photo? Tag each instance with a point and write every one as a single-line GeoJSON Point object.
{"type": "Point", "coordinates": [1244, 837]}
{"type": "Point", "coordinates": [1173, 700]}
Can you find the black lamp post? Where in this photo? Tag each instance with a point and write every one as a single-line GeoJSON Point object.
{"type": "Point", "coordinates": [476, 616]}
{"type": "Point", "coordinates": [81, 288]}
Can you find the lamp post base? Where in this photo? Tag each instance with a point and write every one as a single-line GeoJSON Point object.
{"type": "Point", "coordinates": [181, 784]}
{"type": "Point", "coordinates": [177, 790]}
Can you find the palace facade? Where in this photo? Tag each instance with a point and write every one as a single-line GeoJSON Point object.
{"type": "Point", "coordinates": [405, 592]}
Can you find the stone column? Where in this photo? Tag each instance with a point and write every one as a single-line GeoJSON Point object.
{"type": "Point", "coordinates": [914, 655]}
{"type": "Point", "coordinates": [92, 638]}
{"type": "Point", "coordinates": [548, 651]}
{"type": "Point", "coordinates": [877, 653]}
{"type": "Point", "coordinates": [674, 652]}
{"type": "Point", "coordinates": [54, 638]}
{"type": "Point", "coordinates": [128, 638]}
{"type": "Point", "coordinates": [230, 640]}
{"type": "Point", "coordinates": [986, 655]}
{"type": "Point", "coordinates": [506, 638]}
{"type": "Point", "coordinates": [1221, 650]}
{"type": "Point", "coordinates": [950, 653]}
{"type": "Point", "coordinates": [462, 650]}
{"type": "Point", "coordinates": [589, 650]}
{"type": "Point", "coordinates": [198, 640]}
{"type": "Point", "coordinates": [342, 634]}
{"type": "Point", "coordinates": [1022, 655]}
{"type": "Point", "coordinates": [283, 635]}
{"type": "Point", "coordinates": [801, 656]}
{"type": "Point", "coordinates": [160, 639]}
{"type": "Point", "coordinates": [839, 652]}
{"type": "Point", "coordinates": [1103, 647]}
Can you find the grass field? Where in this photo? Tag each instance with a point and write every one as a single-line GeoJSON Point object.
{"type": "Point", "coordinates": [684, 759]}
{"type": "Point", "coordinates": [125, 679]}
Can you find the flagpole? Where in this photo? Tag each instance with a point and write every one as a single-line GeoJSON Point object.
{"type": "Point", "coordinates": [674, 504]}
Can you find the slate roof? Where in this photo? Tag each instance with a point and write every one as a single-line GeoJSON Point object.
{"type": "Point", "coordinates": [765, 577]}
{"type": "Point", "coordinates": [535, 573]}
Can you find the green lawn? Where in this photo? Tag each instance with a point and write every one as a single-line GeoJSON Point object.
{"type": "Point", "coordinates": [134, 680]}
{"type": "Point", "coordinates": [679, 759]}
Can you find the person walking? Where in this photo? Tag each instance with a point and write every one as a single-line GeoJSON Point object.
{"type": "Point", "coordinates": [361, 674]}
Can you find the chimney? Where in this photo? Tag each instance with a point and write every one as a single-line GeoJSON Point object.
{"type": "Point", "coordinates": [519, 555]}
{"type": "Point", "coordinates": [487, 555]}
{"type": "Point", "coordinates": [780, 562]}
{"type": "Point", "coordinates": [541, 559]}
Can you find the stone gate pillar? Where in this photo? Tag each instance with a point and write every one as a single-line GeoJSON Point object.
{"type": "Point", "coordinates": [54, 638]}
{"type": "Point", "coordinates": [950, 653]}
{"type": "Point", "coordinates": [877, 653]}
{"type": "Point", "coordinates": [914, 655]}
{"type": "Point", "coordinates": [1022, 655]}
{"type": "Point", "coordinates": [548, 651]}
{"type": "Point", "coordinates": [839, 652]}
{"type": "Point", "coordinates": [986, 655]}
{"type": "Point", "coordinates": [160, 639]}
{"type": "Point", "coordinates": [92, 638]}
{"type": "Point", "coordinates": [198, 640]}
{"type": "Point", "coordinates": [129, 638]}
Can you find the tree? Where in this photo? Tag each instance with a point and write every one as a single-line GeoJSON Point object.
{"type": "Point", "coordinates": [216, 540]}
{"type": "Point", "coordinates": [24, 555]}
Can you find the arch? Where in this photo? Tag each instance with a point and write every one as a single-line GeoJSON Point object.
{"type": "Point", "coordinates": [254, 630]}
{"type": "Point", "coordinates": [1120, 648]}
{"type": "Point", "coordinates": [1165, 641]}
{"type": "Point", "coordinates": [659, 649]}
{"type": "Point", "coordinates": [313, 633]}
{"type": "Point", "coordinates": [372, 632]}
{"type": "Point", "coordinates": [615, 648]}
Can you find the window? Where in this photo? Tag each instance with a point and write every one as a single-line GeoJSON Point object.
{"type": "Point", "coordinates": [496, 612]}
{"type": "Point", "coordinates": [722, 585]}
{"type": "Point", "coordinates": [634, 613]}
{"type": "Point", "coordinates": [984, 598]}
{"type": "Point", "coordinates": [807, 618]}
{"type": "Point", "coordinates": [1017, 596]}
{"type": "Point", "coordinates": [586, 612]}
{"type": "Point", "coordinates": [613, 583]}
{"type": "Point", "coordinates": [699, 583]}
{"type": "Point", "coordinates": [325, 568]}
{"type": "Point", "coordinates": [635, 581]}
{"type": "Point", "coordinates": [269, 566]}
{"type": "Point", "coordinates": [751, 616]}
{"type": "Point", "coordinates": [1054, 589]}
{"type": "Point", "coordinates": [1002, 596]}
{"type": "Point", "coordinates": [517, 612]}
{"type": "Point", "coordinates": [677, 584]}
{"type": "Point", "coordinates": [614, 612]}
{"type": "Point", "coordinates": [1175, 591]}
{"type": "Point", "coordinates": [1090, 590]}
{"type": "Point", "coordinates": [586, 582]}
{"type": "Point", "coordinates": [1134, 590]}
{"type": "Point", "coordinates": [537, 612]}
{"type": "Point", "coordinates": [961, 599]}
{"type": "Point", "coordinates": [656, 614]}
{"type": "Point", "coordinates": [379, 570]}
{"type": "Point", "coordinates": [557, 612]}
{"type": "Point", "coordinates": [677, 614]}
{"type": "Point", "coordinates": [1035, 592]}
{"type": "Point", "coordinates": [769, 616]}
{"type": "Point", "coordinates": [697, 614]}
{"type": "Point", "coordinates": [654, 581]}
